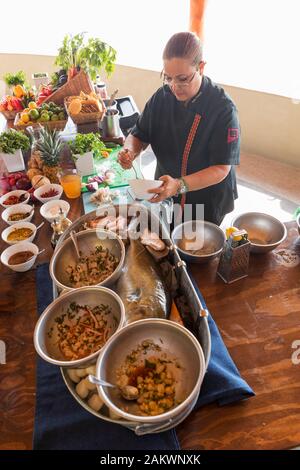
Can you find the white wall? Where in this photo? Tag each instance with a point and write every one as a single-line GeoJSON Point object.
{"type": "Point", "coordinates": [270, 123]}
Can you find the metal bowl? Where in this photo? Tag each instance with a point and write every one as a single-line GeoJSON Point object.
{"type": "Point", "coordinates": [265, 232]}
{"type": "Point", "coordinates": [65, 255]}
{"type": "Point", "coordinates": [47, 347]}
{"type": "Point", "coordinates": [198, 233]}
{"type": "Point", "coordinates": [177, 342]}
{"type": "Point", "coordinates": [298, 223]}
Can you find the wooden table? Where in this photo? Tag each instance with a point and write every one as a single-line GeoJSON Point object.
{"type": "Point", "coordinates": [258, 318]}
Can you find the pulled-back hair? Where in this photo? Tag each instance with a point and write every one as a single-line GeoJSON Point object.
{"type": "Point", "coordinates": [185, 45]}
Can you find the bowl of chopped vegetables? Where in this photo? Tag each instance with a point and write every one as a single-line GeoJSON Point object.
{"type": "Point", "coordinates": [102, 255]}
{"type": "Point", "coordinates": [74, 328]}
{"type": "Point", "coordinates": [162, 361]}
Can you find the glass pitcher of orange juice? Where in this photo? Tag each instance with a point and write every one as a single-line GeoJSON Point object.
{"type": "Point", "coordinates": [71, 182]}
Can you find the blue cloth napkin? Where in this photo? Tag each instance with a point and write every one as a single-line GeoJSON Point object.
{"type": "Point", "coordinates": [61, 423]}
{"type": "Point", "coordinates": [222, 381]}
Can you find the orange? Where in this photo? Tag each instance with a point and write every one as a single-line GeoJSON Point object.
{"type": "Point", "coordinates": [25, 118]}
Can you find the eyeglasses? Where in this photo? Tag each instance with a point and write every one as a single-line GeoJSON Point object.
{"type": "Point", "coordinates": [179, 82]}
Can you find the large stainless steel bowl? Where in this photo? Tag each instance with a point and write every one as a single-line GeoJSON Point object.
{"type": "Point", "coordinates": [65, 255]}
{"type": "Point", "coordinates": [298, 222]}
{"type": "Point", "coordinates": [204, 234]}
{"type": "Point", "coordinates": [47, 347]}
{"type": "Point", "coordinates": [177, 342]}
{"type": "Point", "coordinates": [265, 232]}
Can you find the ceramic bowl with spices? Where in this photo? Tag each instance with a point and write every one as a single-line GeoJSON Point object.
{"type": "Point", "coordinates": [19, 196]}
{"type": "Point", "coordinates": [18, 213]}
{"type": "Point", "coordinates": [20, 232]}
{"type": "Point", "coordinates": [20, 257]}
{"type": "Point", "coordinates": [48, 192]}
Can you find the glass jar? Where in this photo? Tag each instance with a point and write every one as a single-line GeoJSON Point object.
{"type": "Point", "coordinates": [100, 90]}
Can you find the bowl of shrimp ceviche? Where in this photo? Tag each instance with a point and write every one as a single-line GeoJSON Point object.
{"type": "Point", "coordinates": [75, 327]}
{"type": "Point", "coordinates": [161, 360]}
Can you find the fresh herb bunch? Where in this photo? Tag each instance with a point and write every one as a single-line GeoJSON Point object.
{"type": "Point", "coordinates": [13, 140]}
{"type": "Point", "coordinates": [87, 143]}
{"type": "Point", "coordinates": [13, 79]}
{"type": "Point", "coordinates": [91, 56]}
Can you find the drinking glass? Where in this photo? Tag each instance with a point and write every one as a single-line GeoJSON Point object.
{"type": "Point", "coordinates": [71, 182]}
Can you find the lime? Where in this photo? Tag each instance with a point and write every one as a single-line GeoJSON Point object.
{"type": "Point", "coordinates": [54, 117]}
{"type": "Point", "coordinates": [34, 114]}
{"type": "Point", "coordinates": [45, 116]}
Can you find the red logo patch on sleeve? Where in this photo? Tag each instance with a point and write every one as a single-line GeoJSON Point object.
{"type": "Point", "coordinates": [233, 134]}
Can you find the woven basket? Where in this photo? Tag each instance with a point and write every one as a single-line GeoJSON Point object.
{"type": "Point", "coordinates": [58, 125]}
{"type": "Point", "coordinates": [81, 82]}
{"type": "Point", "coordinates": [83, 118]}
{"type": "Point", "coordinates": [9, 115]}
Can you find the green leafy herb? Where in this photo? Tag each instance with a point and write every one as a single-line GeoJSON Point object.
{"type": "Point", "coordinates": [12, 140]}
{"type": "Point", "coordinates": [86, 143]}
{"type": "Point", "coordinates": [13, 79]}
{"type": "Point", "coordinates": [92, 56]}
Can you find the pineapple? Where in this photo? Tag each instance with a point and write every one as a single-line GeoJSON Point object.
{"type": "Point", "coordinates": [49, 146]}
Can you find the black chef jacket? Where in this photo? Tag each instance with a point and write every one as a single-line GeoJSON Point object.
{"type": "Point", "coordinates": [165, 124]}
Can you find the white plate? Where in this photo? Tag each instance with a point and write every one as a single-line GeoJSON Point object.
{"type": "Point", "coordinates": [140, 188]}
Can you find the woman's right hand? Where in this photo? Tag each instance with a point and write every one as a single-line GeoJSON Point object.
{"type": "Point", "coordinates": [126, 158]}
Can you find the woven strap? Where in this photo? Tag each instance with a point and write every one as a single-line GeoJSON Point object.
{"type": "Point", "coordinates": [187, 150]}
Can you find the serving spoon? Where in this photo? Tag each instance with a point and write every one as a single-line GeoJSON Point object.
{"type": "Point", "coordinates": [74, 240]}
{"type": "Point", "coordinates": [127, 391]}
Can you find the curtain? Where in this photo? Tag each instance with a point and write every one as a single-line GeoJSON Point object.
{"type": "Point", "coordinates": [197, 11]}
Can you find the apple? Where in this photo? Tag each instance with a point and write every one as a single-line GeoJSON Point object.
{"type": "Point", "coordinates": [23, 183]}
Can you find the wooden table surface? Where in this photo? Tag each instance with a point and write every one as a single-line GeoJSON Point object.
{"type": "Point", "coordinates": [258, 318]}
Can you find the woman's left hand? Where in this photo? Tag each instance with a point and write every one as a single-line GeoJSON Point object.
{"type": "Point", "coordinates": [169, 188]}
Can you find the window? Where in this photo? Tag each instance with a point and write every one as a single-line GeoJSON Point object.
{"type": "Point", "coordinates": [254, 44]}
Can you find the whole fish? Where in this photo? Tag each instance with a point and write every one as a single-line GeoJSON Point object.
{"type": "Point", "coordinates": [141, 286]}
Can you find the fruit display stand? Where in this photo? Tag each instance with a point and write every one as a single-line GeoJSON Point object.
{"type": "Point", "coordinates": [80, 82]}
{"type": "Point", "coordinates": [58, 125]}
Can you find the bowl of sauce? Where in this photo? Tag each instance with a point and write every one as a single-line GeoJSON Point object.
{"type": "Point", "coordinates": [19, 232]}
{"type": "Point", "coordinates": [20, 257]}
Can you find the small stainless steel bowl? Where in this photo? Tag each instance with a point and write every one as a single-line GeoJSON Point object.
{"type": "Point", "coordinates": [172, 338]}
{"type": "Point", "coordinates": [265, 232]}
{"type": "Point", "coordinates": [47, 347]}
{"type": "Point", "coordinates": [65, 255]}
{"type": "Point", "coordinates": [209, 236]}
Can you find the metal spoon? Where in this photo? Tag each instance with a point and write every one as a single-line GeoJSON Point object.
{"type": "Point", "coordinates": [127, 391]}
{"type": "Point", "coordinates": [39, 226]}
{"type": "Point", "coordinates": [41, 251]}
{"type": "Point", "coordinates": [74, 240]}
